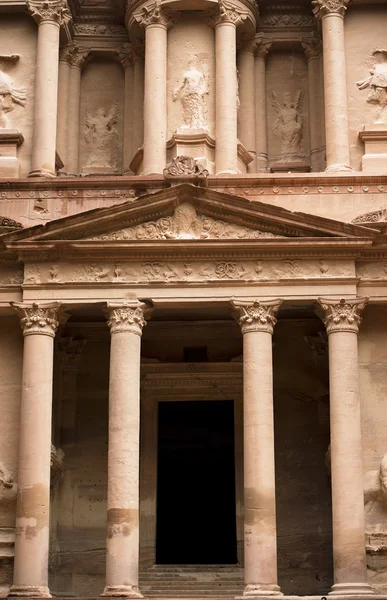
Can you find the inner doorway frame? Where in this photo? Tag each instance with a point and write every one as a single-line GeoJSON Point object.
{"type": "Point", "coordinates": [184, 382]}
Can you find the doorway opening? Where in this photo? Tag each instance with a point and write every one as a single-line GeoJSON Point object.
{"type": "Point", "coordinates": [196, 512]}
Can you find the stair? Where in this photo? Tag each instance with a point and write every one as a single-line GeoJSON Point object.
{"type": "Point", "coordinates": [192, 581]}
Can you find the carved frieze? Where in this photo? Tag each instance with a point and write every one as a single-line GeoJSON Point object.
{"type": "Point", "coordinates": [185, 223]}
{"type": "Point", "coordinates": [49, 10]}
{"type": "Point", "coordinates": [321, 8]}
{"type": "Point", "coordinates": [92, 29]}
{"type": "Point", "coordinates": [342, 315]}
{"type": "Point", "coordinates": [287, 21]}
{"type": "Point", "coordinates": [257, 315]}
{"type": "Point", "coordinates": [11, 274]}
{"type": "Point", "coordinates": [162, 271]}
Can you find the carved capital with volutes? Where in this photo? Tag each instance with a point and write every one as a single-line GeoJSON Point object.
{"type": "Point", "coordinates": [128, 317]}
{"type": "Point", "coordinates": [226, 14]}
{"type": "Point", "coordinates": [262, 45]}
{"type": "Point", "coordinates": [342, 315]}
{"type": "Point", "coordinates": [256, 315]}
{"type": "Point", "coordinates": [39, 318]}
{"type": "Point", "coordinates": [49, 10]}
{"type": "Point", "coordinates": [155, 15]}
{"type": "Point", "coordinates": [125, 54]}
{"type": "Point", "coordinates": [312, 47]}
{"type": "Point", "coordinates": [323, 8]}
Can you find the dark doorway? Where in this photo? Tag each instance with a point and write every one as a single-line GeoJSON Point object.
{"type": "Point", "coordinates": [196, 521]}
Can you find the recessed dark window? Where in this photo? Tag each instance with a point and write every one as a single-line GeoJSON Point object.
{"type": "Point", "coordinates": [195, 354]}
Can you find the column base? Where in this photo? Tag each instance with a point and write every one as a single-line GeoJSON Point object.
{"type": "Point", "coordinates": [122, 591]}
{"type": "Point", "coordinates": [351, 589]}
{"type": "Point", "coordinates": [41, 173]}
{"type": "Point", "coordinates": [261, 589]}
{"type": "Point", "coordinates": [338, 168]}
{"type": "Point", "coordinates": [29, 591]}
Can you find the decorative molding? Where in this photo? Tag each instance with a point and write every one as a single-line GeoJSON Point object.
{"type": "Point", "coordinates": [127, 317]}
{"type": "Point", "coordinates": [185, 166]}
{"type": "Point", "coordinates": [185, 223]}
{"type": "Point", "coordinates": [49, 10]}
{"type": "Point", "coordinates": [323, 8]}
{"type": "Point", "coordinates": [342, 315]}
{"type": "Point", "coordinates": [257, 315]}
{"type": "Point", "coordinates": [154, 15]}
{"type": "Point", "coordinates": [38, 318]}
{"type": "Point", "coordinates": [376, 216]}
{"type": "Point", "coordinates": [9, 224]}
{"type": "Point", "coordinates": [226, 13]}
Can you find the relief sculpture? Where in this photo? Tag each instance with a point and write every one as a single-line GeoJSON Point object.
{"type": "Point", "coordinates": [377, 84]}
{"type": "Point", "coordinates": [288, 124]}
{"type": "Point", "coordinates": [193, 93]}
{"type": "Point", "coordinates": [9, 93]}
{"type": "Point", "coordinates": [101, 136]}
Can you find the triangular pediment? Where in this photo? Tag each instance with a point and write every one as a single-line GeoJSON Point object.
{"type": "Point", "coordinates": [184, 213]}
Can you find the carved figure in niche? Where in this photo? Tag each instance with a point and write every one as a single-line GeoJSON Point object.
{"type": "Point", "coordinates": [288, 124]}
{"type": "Point", "coordinates": [377, 83]}
{"type": "Point", "coordinates": [9, 94]}
{"type": "Point", "coordinates": [102, 136]}
{"type": "Point", "coordinates": [192, 93]}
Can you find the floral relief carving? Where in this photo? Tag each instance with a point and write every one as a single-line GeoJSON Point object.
{"type": "Point", "coordinates": [154, 14]}
{"type": "Point", "coordinates": [185, 223]}
{"type": "Point", "coordinates": [321, 8]}
{"type": "Point", "coordinates": [49, 10]}
{"type": "Point", "coordinates": [342, 315]}
{"type": "Point", "coordinates": [377, 85]}
{"type": "Point", "coordinates": [375, 216]}
{"type": "Point", "coordinates": [38, 318]}
{"type": "Point", "coordinates": [257, 315]}
{"type": "Point", "coordinates": [226, 13]}
{"type": "Point", "coordinates": [127, 317]}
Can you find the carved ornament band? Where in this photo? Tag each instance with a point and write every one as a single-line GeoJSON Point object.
{"type": "Point", "coordinates": [256, 315]}
{"type": "Point", "coordinates": [49, 10]}
{"type": "Point", "coordinates": [226, 14]}
{"type": "Point", "coordinates": [154, 15]}
{"type": "Point", "coordinates": [322, 8]}
{"type": "Point", "coordinates": [127, 317]}
{"type": "Point", "coordinates": [38, 318]}
{"type": "Point", "coordinates": [342, 315]}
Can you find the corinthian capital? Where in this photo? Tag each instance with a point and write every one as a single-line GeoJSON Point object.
{"type": "Point", "coordinates": [154, 15]}
{"type": "Point", "coordinates": [256, 315]}
{"type": "Point", "coordinates": [322, 8]}
{"type": "Point", "coordinates": [262, 45]}
{"type": "Point", "coordinates": [226, 13]}
{"type": "Point", "coordinates": [49, 10]}
{"type": "Point", "coordinates": [38, 318]}
{"type": "Point", "coordinates": [312, 46]}
{"type": "Point", "coordinates": [125, 54]}
{"type": "Point", "coordinates": [342, 315]}
{"type": "Point", "coordinates": [127, 316]}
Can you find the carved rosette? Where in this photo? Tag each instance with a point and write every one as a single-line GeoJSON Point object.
{"type": "Point", "coordinates": [342, 315]}
{"type": "Point", "coordinates": [125, 54]}
{"type": "Point", "coordinates": [323, 8]}
{"type": "Point", "coordinates": [226, 14]}
{"type": "Point", "coordinates": [36, 318]}
{"type": "Point", "coordinates": [49, 10]}
{"type": "Point", "coordinates": [256, 315]}
{"type": "Point", "coordinates": [127, 317]}
{"type": "Point", "coordinates": [154, 15]}
{"type": "Point", "coordinates": [312, 47]}
{"type": "Point", "coordinates": [262, 46]}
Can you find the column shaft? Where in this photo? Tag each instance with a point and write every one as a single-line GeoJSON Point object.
{"type": "Point", "coordinates": [46, 100]}
{"type": "Point", "coordinates": [138, 109]}
{"type": "Point", "coordinates": [226, 151]}
{"type": "Point", "coordinates": [342, 319]}
{"type": "Point", "coordinates": [128, 151]}
{"type": "Point", "coordinates": [30, 576]}
{"type": "Point", "coordinates": [155, 99]}
{"type": "Point", "coordinates": [73, 126]}
{"type": "Point", "coordinates": [260, 114]}
{"type": "Point", "coordinates": [246, 113]}
{"type": "Point", "coordinates": [314, 113]}
{"type": "Point", "coordinates": [62, 120]}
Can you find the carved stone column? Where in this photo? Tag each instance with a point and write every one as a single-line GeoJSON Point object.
{"type": "Point", "coordinates": [126, 321]}
{"type": "Point", "coordinates": [225, 21]}
{"type": "Point", "coordinates": [246, 112]}
{"type": "Point", "coordinates": [262, 47]}
{"type": "Point", "coordinates": [39, 323]}
{"type": "Point", "coordinates": [126, 58]}
{"type": "Point", "coordinates": [342, 319]}
{"type": "Point", "coordinates": [77, 60]}
{"type": "Point", "coordinates": [138, 83]}
{"type": "Point", "coordinates": [156, 22]}
{"type": "Point", "coordinates": [257, 320]}
{"type": "Point", "coordinates": [331, 12]}
{"type": "Point", "coordinates": [63, 100]}
{"type": "Point", "coordinates": [49, 16]}
{"type": "Point", "coordinates": [312, 47]}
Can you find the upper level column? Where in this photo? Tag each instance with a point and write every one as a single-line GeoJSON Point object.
{"type": "Point", "coordinates": [262, 47]}
{"type": "Point", "coordinates": [156, 22]}
{"type": "Point", "coordinates": [331, 13]}
{"type": "Point", "coordinates": [49, 16]}
{"type": "Point", "coordinates": [225, 21]}
{"type": "Point", "coordinates": [342, 319]}
{"type": "Point", "coordinates": [246, 113]}
{"type": "Point", "coordinates": [125, 54]}
{"type": "Point", "coordinates": [39, 323]}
